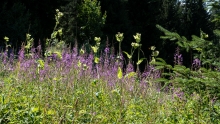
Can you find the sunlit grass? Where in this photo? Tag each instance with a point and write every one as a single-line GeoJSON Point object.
{"type": "Point", "coordinates": [75, 90]}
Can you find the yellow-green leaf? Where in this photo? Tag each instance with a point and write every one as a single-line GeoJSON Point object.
{"type": "Point", "coordinates": [140, 61]}
{"type": "Point", "coordinates": [128, 55]}
{"type": "Point", "coordinates": [50, 112]}
{"type": "Point", "coordinates": [79, 63]}
{"type": "Point", "coordinates": [94, 48]}
{"type": "Point", "coordinates": [131, 74]}
{"type": "Point", "coordinates": [153, 60]}
{"type": "Point", "coordinates": [120, 74]}
{"type": "Point", "coordinates": [35, 109]}
{"type": "Point", "coordinates": [6, 39]}
{"type": "Point", "coordinates": [96, 60]}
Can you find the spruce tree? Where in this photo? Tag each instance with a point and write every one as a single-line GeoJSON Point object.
{"type": "Point", "coordinates": [195, 17]}
{"type": "Point", "coordinates": [68, 21]}
{"type": "Point", "coordinates": [82, 21]}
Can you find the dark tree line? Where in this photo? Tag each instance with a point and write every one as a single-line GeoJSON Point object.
{"type": "Point", "coordinates": [18, 17]}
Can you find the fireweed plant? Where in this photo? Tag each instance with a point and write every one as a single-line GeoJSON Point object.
{"type": "Point", "coordinates": [74, 86]}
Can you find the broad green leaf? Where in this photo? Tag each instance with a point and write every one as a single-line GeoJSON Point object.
{"type": "Point", "coordinates": [96, 60]}
{"type": "Point", "coordinates": [140, 61]}
{"type": "Point", "coordinates": [128, 55]}
{"type": "Point", "coordinates": [158, 63]}
{"type": "Point", "coordinates": [153, 60]}
{"type": "Point", "coordinates": [50, 112]}
{"type": "Point", "coordinates": [159, 67]}
{"type": "Point", "coordinates": [161, 60]}
{"type": "Point", "coordinates": [35, 109]}
{"type": "Point", "coordinates": [168, 66]}
{"type": "Point", "coordinates": [166, 74]}
{"type": "Point", "coordinates": [120, 74]}
{"type": "Point", "coordinates": [94, 48]}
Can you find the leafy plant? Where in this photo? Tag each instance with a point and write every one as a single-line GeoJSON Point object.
{"type": "Point", "coordinates": [55, 44]}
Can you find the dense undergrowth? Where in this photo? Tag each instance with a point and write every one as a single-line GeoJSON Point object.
{"type": "Point", "coordinates": [76, 86]}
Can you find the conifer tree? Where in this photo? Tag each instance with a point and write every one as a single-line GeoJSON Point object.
{"type": "Point", "coordinates": [68, 21]}
{"type": "Point", "coordinates": [82, 21]}
{"type": "Point", "coordinates": [195, 17]}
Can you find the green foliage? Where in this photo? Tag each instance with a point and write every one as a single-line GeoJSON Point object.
{"type": "Point", "coordinates": [154, 54]}
{"type": "Point", "coordinates": [69, 21]}
{"type": "Point", "coordinates": [82, 21]}
{"type": "Point", "coordinates": [55, 45]}
{"type": "Point", "coordinates": [120, 73]}
{"type": "Point", "coordinates": [135, 45]}
{"type": "Point", "coordinates": [215, 14]}
{"type": "Point", "coordinates": [95, 49]}
{"type": "Point", "coordinates": [28, 45]}
{"type": "Point", "coordinates": [90, 20]}
{"type": "Point", "coordinates": [203, 80]}
{"type": "Point", "coordinates": [201, 48]}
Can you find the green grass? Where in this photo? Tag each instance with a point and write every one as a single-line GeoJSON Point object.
{"type": "Point", "coordinates": [85, 100]}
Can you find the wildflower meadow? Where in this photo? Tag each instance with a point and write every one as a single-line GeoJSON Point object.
{"type": "Point", "coordinates": [78, 85]}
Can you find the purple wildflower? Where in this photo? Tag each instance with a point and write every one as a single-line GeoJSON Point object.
{"type": "Point", "coordinates": [178, 59]}
{"type": "Point", "coordinates": [196, 64]}
{"type": "Point", "coordinates": [21, 55]}
{"type": "Point", "coordinates": [130, 68]}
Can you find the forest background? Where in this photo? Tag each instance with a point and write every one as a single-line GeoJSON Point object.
{"type": "Point", "coordinates": [83, 21]}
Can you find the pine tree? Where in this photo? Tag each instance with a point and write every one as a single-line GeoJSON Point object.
{"type": "Point", "coordinates": [82, 21]}
{"type": "Point", "coordinates": [68, 21]}
{"type": "Point", "coordinates": [195, 18]}
{"type": "Point", "coordinates": [187, 19]}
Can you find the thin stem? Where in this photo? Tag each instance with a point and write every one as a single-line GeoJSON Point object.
{"type": "Point", "coordinates": [138, 59]}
